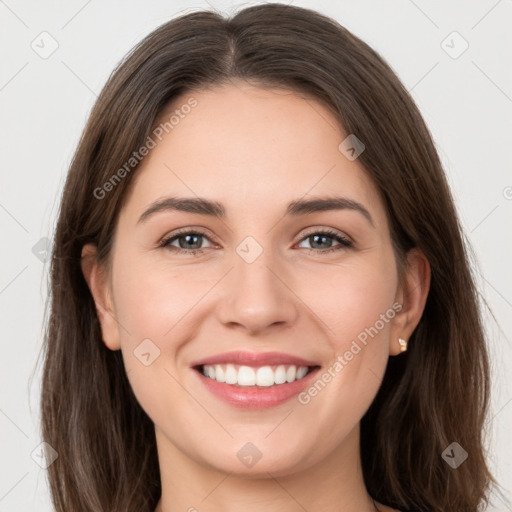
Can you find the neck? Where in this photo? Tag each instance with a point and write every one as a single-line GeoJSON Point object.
{"type": "Point", "coordinates": [334, 484]}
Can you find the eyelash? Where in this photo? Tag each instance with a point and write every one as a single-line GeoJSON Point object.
{"type": "Point", "coordinates": [344, 242]}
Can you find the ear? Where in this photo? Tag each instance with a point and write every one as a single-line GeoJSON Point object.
{"type": "Point", "coordinates": [412, 295]}
{"type": "Point", "coordinates": [97, 280]}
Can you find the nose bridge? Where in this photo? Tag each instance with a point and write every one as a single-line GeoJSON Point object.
{"type": "Point", "coordinates": [257, 295]}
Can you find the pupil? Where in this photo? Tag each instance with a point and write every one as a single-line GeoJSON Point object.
{"type": "Point", "coordinates": [188, 237]}
{"type": "Point", "coordinates": [316, 237]}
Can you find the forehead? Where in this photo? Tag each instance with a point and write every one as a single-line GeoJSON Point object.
{"type": "Point", "coordinates": [250, 148]}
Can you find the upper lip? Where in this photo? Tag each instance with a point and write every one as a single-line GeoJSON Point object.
{"type": "Point", "coordinates": [254, 359]}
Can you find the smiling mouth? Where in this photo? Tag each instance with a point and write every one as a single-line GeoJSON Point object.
{"type": "Point", "coordinates": [261, 376]}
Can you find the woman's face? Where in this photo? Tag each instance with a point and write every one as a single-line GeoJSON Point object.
{"type": "Point", "coordinates": [267, 279]}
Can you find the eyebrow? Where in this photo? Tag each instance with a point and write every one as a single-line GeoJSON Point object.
{"type": "Point", "coordinates": [202, 206]}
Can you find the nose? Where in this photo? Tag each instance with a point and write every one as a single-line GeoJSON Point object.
{"type": "Point", "coordinates": [257, 296]}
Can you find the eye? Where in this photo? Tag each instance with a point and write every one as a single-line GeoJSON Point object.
{"type": "Point", "coordinates": [322, 237]}
{"type": "Point", "coordinates": [188, 242]}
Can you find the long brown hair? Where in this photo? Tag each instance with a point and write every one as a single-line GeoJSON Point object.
{"type": "Point", "coordinates": [434, 394]}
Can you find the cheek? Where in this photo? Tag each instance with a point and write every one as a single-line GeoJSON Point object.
{"type": "Point", "coordinates": [352, 299]}
{"type": "Point", "coordinates": [357, 306]}
{"type": "Point", "coordinates": [153, 309]}
{"type": "Point", "coordinates": [152, 298]}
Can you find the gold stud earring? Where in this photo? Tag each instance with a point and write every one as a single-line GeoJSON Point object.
{"type": "Point", "coordinates": [403, 344]}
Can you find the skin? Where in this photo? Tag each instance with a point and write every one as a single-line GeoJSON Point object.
{"type": "Point", "coordinates": [242, 145]}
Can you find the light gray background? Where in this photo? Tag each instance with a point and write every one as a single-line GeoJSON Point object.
{"type": "Point", "coordinates": [466, 102]}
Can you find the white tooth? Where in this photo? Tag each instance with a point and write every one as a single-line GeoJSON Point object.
{"type": "Point", "coordinates": [219, 374]}
{"type": "Point", "coordinates": [246, 376]}
{"type": "Point", "coordinates": [290, 374]}
{"type": "Point", "coordinates": [231, 374]}
{"type": "Point", "coordinates": [301, 372]}
{"type": "Point", "coordinates": [280, 375]}
{"type": "Point", "coordinates": [265, 376]}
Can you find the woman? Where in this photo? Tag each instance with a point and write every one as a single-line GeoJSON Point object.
{"type": "Point", "coordinates": [249, 370]}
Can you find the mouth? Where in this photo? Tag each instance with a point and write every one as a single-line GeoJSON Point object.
{"type": "Point", "coordinates": [244, 376]}
{"type": "Point", "coordinates": [253, 381]}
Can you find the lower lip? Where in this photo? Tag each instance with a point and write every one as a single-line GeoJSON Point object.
{"type": "Point", "coordinates": [254, 397]}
